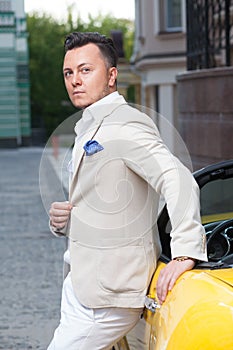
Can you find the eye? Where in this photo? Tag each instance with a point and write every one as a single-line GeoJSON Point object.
{"type": "Point", "coordinates": [67, 74]}
{"type": "Point", "coordinates": [85, 70]}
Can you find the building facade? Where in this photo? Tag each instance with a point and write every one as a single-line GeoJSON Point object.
{"type": "Point", "coordinates": [159, 55]}
{"type": "Point", "coordinates": [205, 90]}
{"type": "Point", "coordinates": [183, 53]}
{"type": "Point", "coordinates": [15, 129]}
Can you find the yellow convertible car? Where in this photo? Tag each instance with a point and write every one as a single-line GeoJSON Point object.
{"type": "Point", "coordinates": [198, 312]}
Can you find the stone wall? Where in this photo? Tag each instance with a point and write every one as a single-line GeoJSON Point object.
{"type": "Point", "coordinates": [206, 114]}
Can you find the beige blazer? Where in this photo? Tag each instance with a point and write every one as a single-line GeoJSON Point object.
{"type": "Point", "coordinates": [114, 242]}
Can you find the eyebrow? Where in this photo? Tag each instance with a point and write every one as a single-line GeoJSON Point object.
{"type": "Point", "coordinates": [79, 66]}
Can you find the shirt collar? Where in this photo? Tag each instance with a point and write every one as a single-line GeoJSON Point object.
{"type": "Point", "coordinates": [106, 99]}
{"type": "Point", "coordinates": [97, 109]}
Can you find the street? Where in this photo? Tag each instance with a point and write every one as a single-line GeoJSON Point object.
{"type": "Point", "coordinates": [31, 257]}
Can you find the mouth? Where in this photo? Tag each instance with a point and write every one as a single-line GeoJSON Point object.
{"type": "Point", "coordinates": [77, 93]}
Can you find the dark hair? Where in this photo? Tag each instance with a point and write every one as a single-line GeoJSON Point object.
{"type": "Point", "coordinates": [105, 45]}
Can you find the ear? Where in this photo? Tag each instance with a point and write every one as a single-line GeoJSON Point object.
{"type": "Point", "coordinates": [112, 76]}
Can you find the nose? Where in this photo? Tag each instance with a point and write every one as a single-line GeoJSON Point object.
{"type": "Point", "coordinates": [76, 79]}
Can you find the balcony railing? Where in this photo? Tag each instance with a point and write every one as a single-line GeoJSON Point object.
{"type": "Point", "coordinates": [209, 33]}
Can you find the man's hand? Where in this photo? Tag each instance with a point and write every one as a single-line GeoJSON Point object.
{"type": "Point", "coordinates": [169, 274]}
{"type": "Point", "coordinates": [59, 214]}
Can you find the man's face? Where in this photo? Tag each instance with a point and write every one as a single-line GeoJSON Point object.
{"type": "Point", "coordinates": [87, 77]}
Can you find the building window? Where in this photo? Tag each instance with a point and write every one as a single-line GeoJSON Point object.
{"type": "Point", "coordinates": [169, 16]}
{"type": "Point", "coordinates": [173, 15]}
{"type": "Point", "coordinates": [22, 72]}
{"type": "Point", "coordinates": [5, 6]}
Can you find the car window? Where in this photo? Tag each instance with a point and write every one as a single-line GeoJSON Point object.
{"type": "Point", "coordinates": [217, 200]}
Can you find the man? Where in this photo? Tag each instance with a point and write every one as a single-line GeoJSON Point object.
{"type": "Point", "coordinates": [121, 169]}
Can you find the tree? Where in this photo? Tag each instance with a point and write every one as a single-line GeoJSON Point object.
{"type": "Point", "coordinates": [46, 38]}
{"type": "Point", "coordinates": [50, 104]}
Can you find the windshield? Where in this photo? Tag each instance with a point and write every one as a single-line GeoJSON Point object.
{"type": "Point", "coordinates": [217, 200]}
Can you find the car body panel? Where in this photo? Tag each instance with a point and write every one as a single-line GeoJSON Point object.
{"type": "Point", "coordinates": [225, 275]}
{"type": "Point", "coordinates": [181, 322]}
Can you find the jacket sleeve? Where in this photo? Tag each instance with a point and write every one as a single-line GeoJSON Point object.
{"type": "Point", "coordinates": [63, 232]}
{"type": "Point", "coordinates": [145, 153]}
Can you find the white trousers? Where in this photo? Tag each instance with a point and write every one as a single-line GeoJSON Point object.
{"type": "Point", "coordinates": [82, 328]}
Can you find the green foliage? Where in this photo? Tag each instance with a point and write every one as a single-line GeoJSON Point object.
{"type": "Point", "coordinates": [46, 38]}
{"type": "Point", "coordinates": [50, 104]}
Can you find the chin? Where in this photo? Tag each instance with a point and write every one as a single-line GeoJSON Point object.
{"type": "Point", "coordinates": [81, 105]}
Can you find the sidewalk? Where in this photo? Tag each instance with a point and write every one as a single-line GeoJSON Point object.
{"type": "Point", "coordinates": [31, 257]}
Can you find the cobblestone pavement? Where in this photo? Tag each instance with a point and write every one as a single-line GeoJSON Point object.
{"type": "Point", "coordinates": [31, 262]}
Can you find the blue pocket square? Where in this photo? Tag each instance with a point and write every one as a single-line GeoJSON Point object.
{"type": "Point", "coordinates": [92, 147]}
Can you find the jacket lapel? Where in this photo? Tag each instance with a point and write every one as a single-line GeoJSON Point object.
{"type": "Point", "coordinates": [79, 151]}
{"type": "Point", "coordinates": [87, 128]}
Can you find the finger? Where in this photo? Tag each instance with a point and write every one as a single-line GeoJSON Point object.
{"type": "Point", "coordinates": [60, 219]}
{"type": "Point", "coordinates": [59, 222]}
{"type": "Point", "coordinates": [162, 287]}
{"type": "Point", "coordinates": [58, 225]}
{"type": "Point", "coordinates": [171, 283]}
{"type": "Point", "coordinates": [166, 280]}
{"type": "Point", "coordinates": [59, 212]}
{"type": "Point", "coordinates": [163, 292]}
{"type": "Point", "coordinates": [61, 205]}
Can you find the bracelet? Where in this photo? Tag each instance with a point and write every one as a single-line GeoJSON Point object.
{"type": "Point", "coordinates": [183, 258]}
